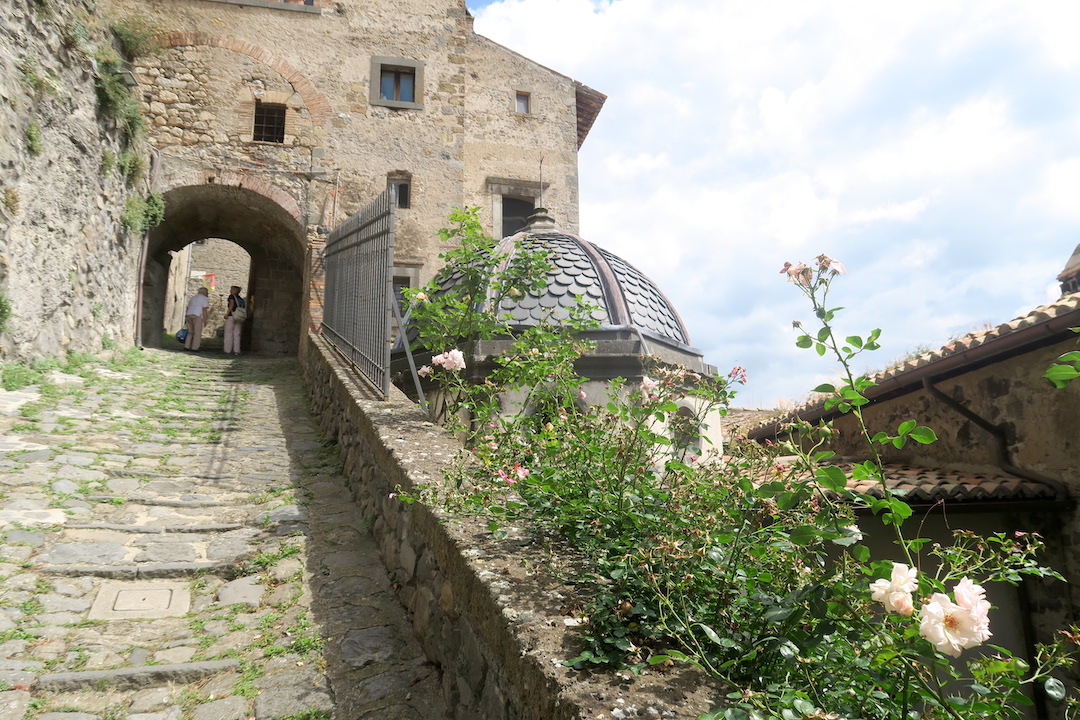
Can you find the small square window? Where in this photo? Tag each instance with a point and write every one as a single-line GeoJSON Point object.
{"type": "Point", "coordinates": [269, 123]}
{"type": "Point", "coordinates": [397, 83]}
{"type": "Point", "coordinates": [523, 103]}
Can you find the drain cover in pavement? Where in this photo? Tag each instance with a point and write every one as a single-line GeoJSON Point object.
{"type": "Point", "coordinates": [120, 601]}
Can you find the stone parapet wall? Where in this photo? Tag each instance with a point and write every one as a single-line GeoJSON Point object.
{"type": "Point", "coordinates": [484, 611]}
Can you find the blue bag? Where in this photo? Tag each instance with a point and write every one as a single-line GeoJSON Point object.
{"type": "Point", "coordinates": [181, 335]}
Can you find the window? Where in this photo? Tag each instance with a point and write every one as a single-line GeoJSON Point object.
{"type": "Point", "coordinates": [269, 123]}
{"type": "Point", "coordinates": [523, 103]}
{"type": "Point", "coordinates": [515, 214]}
{"type": "Point", "coordinates": [402, 194]}
{"type": "Point", "coordinates": [401, 182]}
{"type": "Point", "coordinates": [397, 82]}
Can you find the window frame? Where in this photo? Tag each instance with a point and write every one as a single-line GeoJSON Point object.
{"type": "Point", "coordinates": [380, 63]}
{"type": "Point", "coordinates": [256, 126]}
{"type": "Point", "coordinates": [520, 95]}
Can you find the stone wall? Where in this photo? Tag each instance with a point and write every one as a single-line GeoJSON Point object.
{"type": "Point", "coordinates": [504, 148]}
{"type": "Point", "coordinates": [67, 267]}
{"type": "Point", "coordinates": [486, 612]}
{"type": "Point", "coordinates": [1043, 422]}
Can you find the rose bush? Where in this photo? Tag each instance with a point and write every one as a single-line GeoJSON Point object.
{"type": "Point", "coordinates": [747, 564]}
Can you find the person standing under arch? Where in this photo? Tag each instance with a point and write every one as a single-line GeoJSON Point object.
{"type": "Point", "coordinates": [235, 314]}
{"type": "Point", "coordinates": [198, 310]}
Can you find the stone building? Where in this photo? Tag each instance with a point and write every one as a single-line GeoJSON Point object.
{"type": "Point", "coordinates": [272, 121]}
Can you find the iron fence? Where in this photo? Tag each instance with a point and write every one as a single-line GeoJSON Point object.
{"type": "Point", "coordinates": [359, 295]}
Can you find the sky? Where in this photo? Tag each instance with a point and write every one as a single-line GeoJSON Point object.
{"type": "Point", "coordinates": [931, 146]}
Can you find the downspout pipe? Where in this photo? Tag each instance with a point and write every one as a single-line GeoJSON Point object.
{"type": "Point", "coordinates": [1003, 458]}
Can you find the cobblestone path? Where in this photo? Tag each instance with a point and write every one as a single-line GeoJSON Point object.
{"type": "Point", "coordinates": [176, 544]}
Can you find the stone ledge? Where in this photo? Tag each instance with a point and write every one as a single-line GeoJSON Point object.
{"type": "Point", "coordinates": [149, 571]}
{"type": "Point", "coordinates": [134, 678]}
{"type": "Point", "coordinates": [273, 5]}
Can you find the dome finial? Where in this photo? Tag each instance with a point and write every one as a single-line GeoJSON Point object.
{"type": "Point", "coordinates": [540, 222]}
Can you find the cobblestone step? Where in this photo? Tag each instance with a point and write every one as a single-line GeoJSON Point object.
{"type": "Point", "coordinates": [133, 678]}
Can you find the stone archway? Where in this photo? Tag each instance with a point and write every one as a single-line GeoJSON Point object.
{"type": "Point", "coordinates": [260, 218]}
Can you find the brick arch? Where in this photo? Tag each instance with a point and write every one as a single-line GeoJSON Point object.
{"type": "Point", "coordinates": [245, 181]}
{"type": "Point", "coordinates": [317, 104]}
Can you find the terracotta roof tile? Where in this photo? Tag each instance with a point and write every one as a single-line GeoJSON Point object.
{"type": "Point", "coordinates": [928, 485]}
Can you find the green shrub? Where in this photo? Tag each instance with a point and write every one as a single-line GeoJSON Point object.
{"type": "Point", "coordinates": [5, 312]}
{"type": "Point", "coordinates": [11, 200]}
{"type": "Point", "coordinates": [132, 166]}
{"type": "Point", "coordinates": [14, 376]}
{"type": "Point", "coordinates": [76, 34]}
{"type": "Point", "coordinates": [33, 139]}
{"type": "Point", "coordinates": [141, 214]}
{"type": "Point", "coordinates": [135, 34]}
{"type": "Point", "coordinates": [115, 99]}
{"type": "Point", "coordinates": [41, 82]}
{"type": "Point", "coordinates": [108, 161]}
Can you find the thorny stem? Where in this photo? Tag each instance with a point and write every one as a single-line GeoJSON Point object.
{"type": "Point", "coordinates": [820, 311]}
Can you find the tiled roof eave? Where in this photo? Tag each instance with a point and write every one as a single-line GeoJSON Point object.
{"type": "Point", "coordinates": [1045, 322]}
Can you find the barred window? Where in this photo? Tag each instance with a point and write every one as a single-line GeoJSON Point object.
{"type": "Point", "coordinates": [269, 123]}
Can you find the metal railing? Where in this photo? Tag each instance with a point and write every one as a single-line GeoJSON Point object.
{"type": "Point", "coordinates": [359, 295]}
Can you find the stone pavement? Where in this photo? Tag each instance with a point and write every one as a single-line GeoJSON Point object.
{"type": "Point", "coordinates": [176, 543]}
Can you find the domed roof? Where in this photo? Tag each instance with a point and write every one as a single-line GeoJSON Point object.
{"type": "Point", "coordinates": [625, 299]}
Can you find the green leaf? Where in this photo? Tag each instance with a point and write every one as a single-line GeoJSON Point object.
{"type": "Point", "coordinates": [824, 388]}
{"type": "Point", "coordinates": [923, 435]}
{"type": "Point", "coordinates": [861, 553]}
{"type": "Point", "coordinates": [854, 340]}
{"type": "Point", "coordinates": [906, 427]}
{"type": "Point", "coordinates": [823, 334]}
{"type": "Point", "coordinates": [1055, 689]}
{"type": "Point", "coordinates": [1070, 357]}
{"type": "Point", "coordinates": [900, 509]}
{"type": "Point", "coordinates": [778, 614]}
{"type": "Point", "coordinates": [831, 477]}
{"type": "Point", "coordinates": [881, 438]}
{"type": "Point", "coordinates": [803, 535]}
{"type": "Point", "coordinates": [1061, 373]}
{"type": "Point", "coordinates": [710, 633]}
{"type": "Point", "coordinates": [821, 349]}
{"type": "Point", "coordinates": [804, 341]}
{"type": "Point", "coordinates": [788, 500]}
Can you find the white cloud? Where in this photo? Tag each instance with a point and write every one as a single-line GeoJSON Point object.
{"type": "Point", "coordinates": [974, 137]}
{"type": "Point", "coordinates": [643, 163]}
{"type": "Point", "coordinates": [902, 212]}
{"type": "Point", "coordinates": [1059, 191]}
